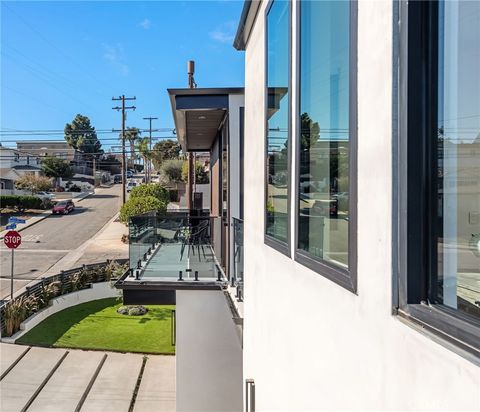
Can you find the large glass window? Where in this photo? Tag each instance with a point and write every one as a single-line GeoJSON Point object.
{"type": "Point", "coordinates": [324, 187]}
{"type": "Point", "coordinates": [277, 95]}
{"type": "Point", "coordinates": [439, 170]}
{"type": "Point", "coordinates": [458, 155]}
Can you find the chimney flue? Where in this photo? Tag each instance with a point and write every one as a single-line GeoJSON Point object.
{"type": "Point", "coordinates": [191, 71]}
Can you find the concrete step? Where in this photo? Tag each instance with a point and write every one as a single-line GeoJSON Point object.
{"type": "Point", "coordinates": [157, 388]}
{"type": "Point", "coordinates": [25, 378]}
{"type": "Point", "coordinates": [67, 385]}
{"type": "Point", "coordinates": [9, 354]}
{"type": "Point", "coordinates": [113, 389]}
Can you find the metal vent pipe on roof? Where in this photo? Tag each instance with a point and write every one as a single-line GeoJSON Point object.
{"type": "Point", "coordinates": [191, 72]}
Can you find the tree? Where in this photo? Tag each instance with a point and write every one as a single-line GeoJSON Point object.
{"type": "Point", "coordinates": [81, 135]}
{"type": "Point", "coordinates": [145, 153]}
{"type": "Point", "coordinates": [201, 176]}
{"type": "Point", "coordinates": [56, 168]}
{"type": "Point", "coordinates": [165, 150]}
{"type": "Point", "coordinates": [132, 135]}
{"type": "Point", "coordinates": [171, 171]}
{"type": "Point", "coordinates": [310, 131]}
{"type": "Point", "coordinates": [139, 205]}
{"type": "Point", "coordinates": [34, 184]}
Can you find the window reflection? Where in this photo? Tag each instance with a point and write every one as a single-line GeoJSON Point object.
{"type": "Point", "coordinates": [324, 142]}
{"type": "Point", "coordinates": [459, 156]}
{"type": "Point", "coordinates": [277, 120]}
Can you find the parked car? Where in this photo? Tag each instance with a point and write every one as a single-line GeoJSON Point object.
{"type": "Point", "coordinates": [75, 188]}
{"type": "Point", "coordinates": [44, 195]}
{"type": "Point", "coordinates": [117, 179]}
{"type": "Point", "coordinates": [130, 174]}
{"type": "Point", "coordinates": [63, 207]}
{"type": "Point", "coordinates": [131, 185]}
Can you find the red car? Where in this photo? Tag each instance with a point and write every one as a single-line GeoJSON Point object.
{"type": "Point", "coordinates": [64, 207]}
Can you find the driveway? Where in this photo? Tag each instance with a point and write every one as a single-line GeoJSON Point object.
{"type": "Point", "coordinates": [44, 379]}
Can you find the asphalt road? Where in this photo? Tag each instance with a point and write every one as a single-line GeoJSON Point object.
{"type": "Point", "coordinates": [46, 242]}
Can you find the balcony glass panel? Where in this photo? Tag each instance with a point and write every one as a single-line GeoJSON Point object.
{"type": "Point", "coordinates": [174, 247]}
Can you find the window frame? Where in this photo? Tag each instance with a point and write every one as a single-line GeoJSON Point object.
{"type": "Point", "coordinates": [414, 173]}
{"type": "Point", "coordinates": [282, 247]}
{"type": "Point", "coordinates": [347, 278]}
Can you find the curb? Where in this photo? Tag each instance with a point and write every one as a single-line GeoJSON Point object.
{"type": "Point", "coordinates": [27, 225]}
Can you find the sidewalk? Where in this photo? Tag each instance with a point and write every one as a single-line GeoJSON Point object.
{"type": "Point", "coordinates": [38, 218]}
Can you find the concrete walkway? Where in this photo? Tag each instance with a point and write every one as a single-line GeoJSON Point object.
{"type": "Point", "coordinates": [44, 379]}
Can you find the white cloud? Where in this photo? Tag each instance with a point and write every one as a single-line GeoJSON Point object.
{"type": "Point", "coordinates": [116, 57]}
{"type": "Point", "coordinates": [225, 33]}
{"type": "Point", "coordinates": [145, 23]}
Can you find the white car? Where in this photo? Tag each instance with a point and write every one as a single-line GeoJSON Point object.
{"type": "Point", "coordinates": [131, 185]}
{"type": "Point", "coordinates": [44, 195]}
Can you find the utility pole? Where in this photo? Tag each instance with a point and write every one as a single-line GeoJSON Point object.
{"type": "Point", "coordinates": [94, 173]}
{"type": "Point", "coordinates": [149, 176]}
{"type": "Point", "coordinates": [124, 160]}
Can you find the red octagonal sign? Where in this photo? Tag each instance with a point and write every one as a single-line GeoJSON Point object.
{"type": "Point", "coordinates": [12, 239]}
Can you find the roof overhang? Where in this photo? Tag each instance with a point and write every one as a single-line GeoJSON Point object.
{"type": "Point", "coordinates": [247, 20]}
{"type": "Point", "coordinates": [198, 114]}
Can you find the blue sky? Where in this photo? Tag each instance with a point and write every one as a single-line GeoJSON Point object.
{"type": "Point", "coordinates": [63, 58]}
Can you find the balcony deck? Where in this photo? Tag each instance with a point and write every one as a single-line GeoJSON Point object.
{"type": "Point", "coordinates": [173, 252]}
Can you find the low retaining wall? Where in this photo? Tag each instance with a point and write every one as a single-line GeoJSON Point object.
{"type": "Point", "coordinates": [96, 291]}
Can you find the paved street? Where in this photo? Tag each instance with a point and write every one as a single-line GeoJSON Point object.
{"type": "Point", "coordinates": [48, 241]}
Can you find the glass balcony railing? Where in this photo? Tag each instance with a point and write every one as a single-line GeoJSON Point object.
{"type": "Point", "coordinates": [238, 256]}
{"type": "Point", "coordinates": [175, 247]}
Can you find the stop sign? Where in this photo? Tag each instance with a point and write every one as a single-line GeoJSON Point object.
{"type": "Point", "coordinates": [12, 239]}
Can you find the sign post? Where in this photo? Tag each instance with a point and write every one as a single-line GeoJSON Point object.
{"type": "Point", "coordinates": [12, 240]}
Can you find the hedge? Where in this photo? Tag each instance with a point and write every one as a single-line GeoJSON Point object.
{"type": "Point", "coordinates": [139, 205]}
{"type": "Point", "coordinates": [20, 202]}
{"type": "Point", "coordinates": [152, 189]}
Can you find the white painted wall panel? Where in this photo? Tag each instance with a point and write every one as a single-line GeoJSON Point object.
{"type": "Point", "coordinates": [208, 354]}
{"type": "Point", "coordinates": [308, 343]}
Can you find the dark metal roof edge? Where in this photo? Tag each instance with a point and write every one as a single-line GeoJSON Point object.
{"type": "Point", "coordinates": [250, 8]}
{"type": "Point", "coordinates": [206, 91]}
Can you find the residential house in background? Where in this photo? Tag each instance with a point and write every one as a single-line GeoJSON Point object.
{"type": "Point", "coordinates": [44, 148]}
{"type": "Point", "coordinates": [13, 165]}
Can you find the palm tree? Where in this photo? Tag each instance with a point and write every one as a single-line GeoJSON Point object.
{"type": "Point", "coordinates": [145, 153]}
{"type": "Point", "coordinates": [132, 134]}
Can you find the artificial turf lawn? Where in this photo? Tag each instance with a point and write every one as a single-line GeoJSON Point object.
{"type": "Point", "coordinates": [97, 325]}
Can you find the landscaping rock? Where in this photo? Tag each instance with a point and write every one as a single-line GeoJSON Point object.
{"type": "Point", "coordinates": [137, 310]}
{"type": "Point", "coordinates": [123, 310]}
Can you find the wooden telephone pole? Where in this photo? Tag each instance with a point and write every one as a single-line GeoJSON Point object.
{"type": "Point", "coordinates": [124, 160]}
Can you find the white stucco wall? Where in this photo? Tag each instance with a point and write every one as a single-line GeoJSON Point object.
{"type": "Point", "coordinates": [308, 343]}
{"type": "Point", "coordinates": [208, 354]}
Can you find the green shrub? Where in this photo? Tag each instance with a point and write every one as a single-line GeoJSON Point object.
{"type": "Point", "coordinates": [17, 311]}
{"type": "Point", "coordinates": [139, 205]}
{"type": "Point", "coordinates": [152, 189]}
{"type": "Point", "coordinates": [20, 202]}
